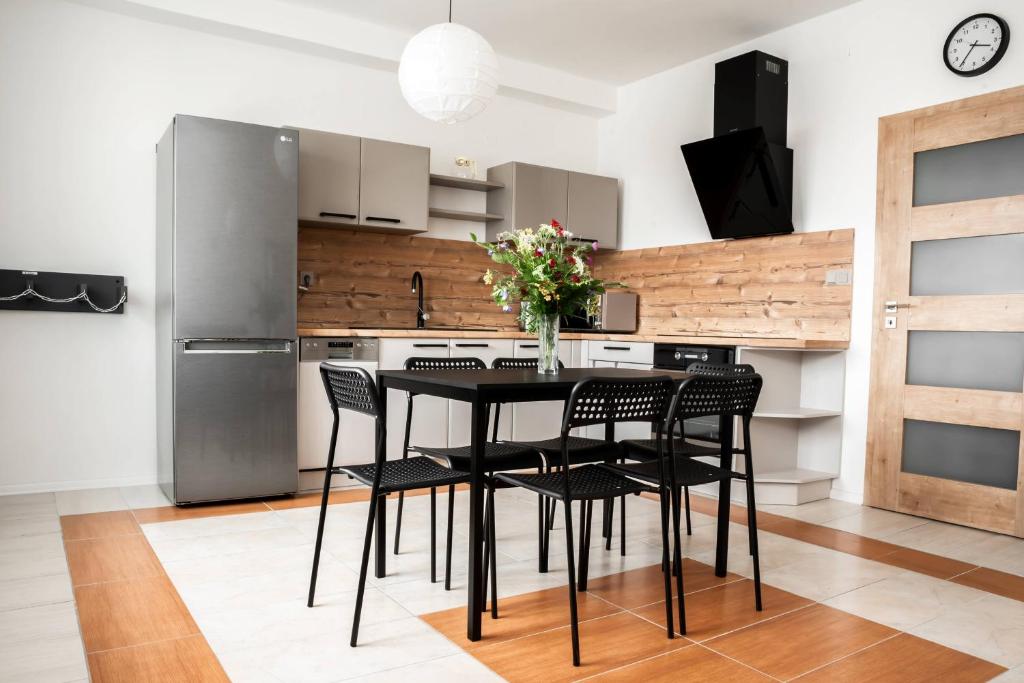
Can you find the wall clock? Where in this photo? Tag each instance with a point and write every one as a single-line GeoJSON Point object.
{"type": "Point", "coordinates": [976, 45]}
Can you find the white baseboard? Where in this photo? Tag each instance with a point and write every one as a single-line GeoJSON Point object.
{"type": "Point", "coordinates": [856, 497]}
{"type": "Point", "coordinates": [51, 486]}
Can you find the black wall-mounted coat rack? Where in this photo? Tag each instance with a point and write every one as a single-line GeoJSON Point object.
{"type": "Point", "coordinates": [31, 290]}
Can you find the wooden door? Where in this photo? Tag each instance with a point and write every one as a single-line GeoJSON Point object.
{"type": "Point", "coordinates": [947, 374]}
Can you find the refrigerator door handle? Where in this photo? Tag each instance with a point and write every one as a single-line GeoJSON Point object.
{"type": "Point", "coordinates": [235, 347]}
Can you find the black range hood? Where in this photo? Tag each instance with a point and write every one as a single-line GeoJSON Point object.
{"type": "Point", "coordinates": [743, 176]}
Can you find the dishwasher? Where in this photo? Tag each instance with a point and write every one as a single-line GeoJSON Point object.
{"type": "Point", "coordinates": [682, 356]}
{"type": "Point", "coordinates": [356, 432]}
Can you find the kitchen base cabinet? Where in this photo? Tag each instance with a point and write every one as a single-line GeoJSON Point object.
{"type": "Point", "coordinates": [541, 420]}
{"type": "Point", "coordinates": [459, 412]}
{"type": "Point", "coordinates": [356, 432]}
{"type": "Point", "coordinates": [430, 413]}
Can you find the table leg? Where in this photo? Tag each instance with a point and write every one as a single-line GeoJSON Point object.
{"type": "Point", "coordinates": [475, 584]}
{"type": "Point", "coordinates": [724, 500]}
{"type": "Point", "coordinates": [380, 568]}
{"type": "Point", "coordinates": [608, 504]}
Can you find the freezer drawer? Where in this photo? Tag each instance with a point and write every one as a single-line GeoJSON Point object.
{"type": "Point", "coordinates": [234, 419]}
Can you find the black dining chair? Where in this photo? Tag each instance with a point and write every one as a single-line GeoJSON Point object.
{"type": "Point", "coordinates": [498, 457]}
{"type": "Point", "coordinates": [728, 396]}
{"type": "Point", "coordinates": [598, 401]}
{"type": "Point", "coordinates": [645, 449]}
{"type": "Point", "coordinates": [353, 389]}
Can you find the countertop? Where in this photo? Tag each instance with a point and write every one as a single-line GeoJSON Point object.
{"type": "Point", "coordinates": [466, 333]}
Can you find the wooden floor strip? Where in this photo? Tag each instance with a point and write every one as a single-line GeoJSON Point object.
{"type": "Point", "coordinates": [992, 581]}
{"type": "Point", "coordinates": [98, 525]}
{"type": "Point", "coordinates": [188, 660]}
{"type": "Point", "coordinates": [699, 663]}
{"type": "Point", "coordinates": [115, 558]}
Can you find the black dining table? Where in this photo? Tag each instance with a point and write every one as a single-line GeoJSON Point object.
{"type": "Point", "coordinates": [481, 389]}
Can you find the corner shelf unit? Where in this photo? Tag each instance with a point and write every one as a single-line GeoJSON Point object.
{"type": "Point", "coordinates": [797, 428]}
{"type": "Point", "coordinates": [454, 182]}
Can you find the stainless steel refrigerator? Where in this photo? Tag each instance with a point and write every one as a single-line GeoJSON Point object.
{"type": "Point", "coordinates": [227, 206]}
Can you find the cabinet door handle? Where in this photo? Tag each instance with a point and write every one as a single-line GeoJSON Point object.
{"type": "Point", "coordinates": [529, 346]}
{"type": "Point", "coordinates": [384, 220]}
{"type": "Point", "coordinates": [331, 214]}
{"type": "Point", "coordinates": [616, 348]}
{"type": "Point", "coordinates": [430, 346]}
{"type": "Point", "coordinates": [472, 346]}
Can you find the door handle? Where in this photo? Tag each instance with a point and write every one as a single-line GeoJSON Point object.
{"type": "Point", "coordinates": [384, 220]}
{"type": "Point", "coordinates": [529, 346]}
{"type": "Point", "coordinates": [472, 346]}
{"type": "Point", "coordinates": [199, 346]}
{"type": "Point", "coordinates": [430, 346]}
{"type": "Point", "coordinates": [331, 214]}
{"type": "Point", "coordinates": [616, 348]}
{"type": "Point", "coordinates": [892, 306]}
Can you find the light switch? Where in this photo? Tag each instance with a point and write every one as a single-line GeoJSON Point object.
{"type": "Point", "coordinates": [838, 277]}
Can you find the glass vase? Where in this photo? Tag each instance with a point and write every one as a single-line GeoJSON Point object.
{"type": "Point", "coordinates": [547, 348]}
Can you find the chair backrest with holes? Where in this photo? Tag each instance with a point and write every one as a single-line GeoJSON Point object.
{"type": "Point", "coordinates": [350, 389]}
{"type": "Point", "coordinates": [720, 369]}
{"type": "Point", "coordinates": [706, 395]}
{"type": "Point", "coordinates": [518, 364]}
{"type": "Point", "coordinates": [600, 401]}
{"type": "Point", "coordinates": [423, 363]}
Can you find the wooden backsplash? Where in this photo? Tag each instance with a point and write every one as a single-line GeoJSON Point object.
{"type": "Point", "coordinates": [363, 280]}
{"type": "Point", "coordinates": [767, 287]}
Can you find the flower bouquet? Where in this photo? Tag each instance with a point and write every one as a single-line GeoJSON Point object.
{"type": "Point", "coordinates": [551, 276]}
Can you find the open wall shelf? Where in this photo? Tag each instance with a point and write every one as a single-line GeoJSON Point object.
{"type": "Point", "coordinates": [439, 180]}
{"type": "Point", "coordinates": [464, 215]}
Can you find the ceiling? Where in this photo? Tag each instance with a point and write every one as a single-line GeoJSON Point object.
{"type": "Point", "coordinates": [612, 41]}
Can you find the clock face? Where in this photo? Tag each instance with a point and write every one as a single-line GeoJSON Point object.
{"type": "Point", "coordinates": [976, 45]}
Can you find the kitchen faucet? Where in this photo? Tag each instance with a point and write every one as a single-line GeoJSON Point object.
{"type": "Point", "coordinates": [417, 288]}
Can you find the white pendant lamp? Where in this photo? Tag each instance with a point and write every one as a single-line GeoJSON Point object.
{"type": "Point", "coordinates": [448, 72]}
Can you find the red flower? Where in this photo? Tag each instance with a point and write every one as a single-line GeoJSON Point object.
{"type": "Point", "coordinates": [523, 291]}
{"type": "Point", "coordinates": [553, 263]}
{"type": "Point", "coordinates": [575, 278]}
{"type": "Point", "coordinates": [538, 252]}
{"type": "Point", "coordinates": [571, 260]}
{"type": "Point", "coordinates": [555, 223]}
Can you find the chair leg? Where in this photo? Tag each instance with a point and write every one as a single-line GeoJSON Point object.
{"type": "Point", "coordinates": [493, 547]}
{"type": "Point", "coordinates": [609, 522]}
{"type": "Point", "coordinates": [448, 543]}
{"type": "Point", "coordinates": [689, 527]}
{"type": "Point", "coordinates": [405, 456]}
{"type": "Point", "coordinates": [362, 569]}
{"type": "Point", "coordinates": [487, 547]}
{"type": "Point", "coordinates": [666, 563]}
{"type": "Point", "coordinates": [541, 526]}
{"type": "Point", "coordinates": [622, 526]}
{"type": "Point", "coordinates": [586, 520]}
{"type": "Point", "coordinates": [573, 614]}
{"type": "Point", "coordinates": [433, 534]}
{"type": "Point", "coordinates": [320, 532]}
{"type": "Point", "coordinates": [752, 523]}
{"type": "Point", "coordinates": [678, 563]}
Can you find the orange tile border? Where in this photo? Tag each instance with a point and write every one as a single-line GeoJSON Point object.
{"type": "Point", "coordinates": [800, 641]}
{"type": "Point", "coordinates": [184, 659]}
{"type": "Point", "coordinates": [639, 587]}
{"type": "Point", "coordinates": [98, 525]}
{"type": "Point", "coordinates": [699, 663]}
{"type": "Point", "coordinates": [115, 558]}
{"type": "Point", "coordinates": [907, 659]}
{"type": "Point", "coordinates": [546, 657]}
{"type": "Point", "coordinates": [993, 581]}
{"type": "Point", "coordinates": [926, 563]}
{"type": "Point", "coordinates": [172, 513]}
{"type": "Point", "coordinates": [716, 611]}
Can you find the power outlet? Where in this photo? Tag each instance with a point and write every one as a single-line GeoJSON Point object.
{"type": "Point", "coordinates": [838, 277]}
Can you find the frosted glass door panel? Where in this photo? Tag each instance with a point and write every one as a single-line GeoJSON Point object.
{"type": "Point", "coordinates": [978, 170]}
{"type": "Point", "coordinates": [977, 455]}
{"type": "Point", "coordinates": [966, 360]}
{"type": "Point", "coordinates": [968, 265]}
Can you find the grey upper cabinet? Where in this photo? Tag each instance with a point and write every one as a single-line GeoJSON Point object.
{"type": "Point", "coordinates": [586, 204]}
{"type": "Point", "coordinates": [593, 212]}
{"type": "Point", "coordinates": [328, 177]}
{"type": "Point", "coordinates": [374, 184]}
{"type": "Point", "coordinates": [394, 185]}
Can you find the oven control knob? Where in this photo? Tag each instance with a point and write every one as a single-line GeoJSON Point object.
{"type": "Point", "coordinates": [678, 356]}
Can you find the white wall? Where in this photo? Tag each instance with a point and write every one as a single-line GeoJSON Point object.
{"type": "Point", "coordinates": [846, 69]}
{"type": "Point", "coordinates": [84, 95]}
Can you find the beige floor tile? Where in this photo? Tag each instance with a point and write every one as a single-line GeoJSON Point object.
{"type": "Point", "coordinates": [991, 628]}
{"type": "Point", "coordinates": [52, 660]}
{"type": "Point", "coordinates": [460, 667]}
{"type": "Point", "coordinates": [38, 623]}
{"type": "Point", "coordinates": [828, 575]}
{"type": "Point", "coordinates": [36, 590]}
{"type": "Point", "coordinates": [90, 500]}
{"type": "Point", "coordinates": [26, 506]}
{"type": "Point", "coordinates": [875, 523]}
{"type": "Point", "coordinates": [29, 526]}
{"type": "Point", "coordinates": [1015, 675]}
{"type": "Point", "coordinates": [816, 512]}
{"type": "Point", "coordinates": [146, 496]}
{"type": "Point", "coordinates": [28, 564]}
{"type": "Point", "coordinates": [905, 600]}
{"type": "Point", "coordinates": [955, 542]}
